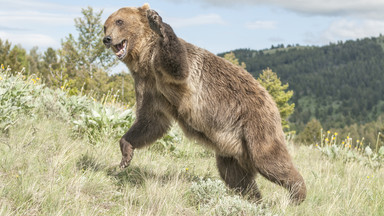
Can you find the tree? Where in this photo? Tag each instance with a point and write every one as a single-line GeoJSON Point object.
{"type": "Point", "coordinates": [311, 133]}
{"type": "Point", "coordinates": [88, 52]}
{"type": "Point", "coordinates": [17, 59]}
{"type": "Point", "coordinates": [5, 48]}
{"type": "Point", "coordinates": [85, 61]}
{"type": "Point", "coordinates": [232, 58]}
{"type": "Point", "coordinates": [272, 83]}
{"type": "Point", "coordinates": [33, 59]}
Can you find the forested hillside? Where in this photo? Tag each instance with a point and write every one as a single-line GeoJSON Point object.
{"type": "Point", "coordinates": [338, 84]}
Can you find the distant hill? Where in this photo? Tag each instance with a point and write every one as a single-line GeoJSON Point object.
{"type": "Point", "coordinates": [339, 84]}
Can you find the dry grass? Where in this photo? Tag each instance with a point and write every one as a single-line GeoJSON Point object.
{"type": "Point", "coordinates": [45, 170]}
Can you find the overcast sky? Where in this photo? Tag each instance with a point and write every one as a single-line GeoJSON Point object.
{"type": "Point", "coordinates": [216, 25]}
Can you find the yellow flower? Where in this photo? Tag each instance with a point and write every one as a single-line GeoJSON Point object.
{"type": "Point", "coordinates": [2, 66]}
{"type": "Point", "coordinates": [333, 138]}
{"type": "Point", "coordinates": [357, 141]}
{"type": "Point", "coordinates": [37, 78]}
{"type": "Point", "coordinates": [1, 78]}
{"type": "Point", "coordinates": [347, 137]}
{"type": "Point", "coordinates": [350, 146]}
{"type": "Point", "coordinates": [186, 169]}
{"type": "Point", "coordinates": [326, 139]}
{"type": "Point", "coordinates": [343, 142]}
{"type": "Point", "coordinates": [336, 133]}
{"type": "Point", "coordinates": [329, 132]}
{"type": "Point", "coordinates": [62, 87]}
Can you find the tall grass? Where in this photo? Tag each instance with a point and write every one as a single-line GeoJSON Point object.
{"type": "Point", "coordinates": [60, 156]}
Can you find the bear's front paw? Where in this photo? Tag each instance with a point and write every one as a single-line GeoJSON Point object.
{"type": "Point", "coordinates": [125, 161]}
{"type": "Point", "coordinates": [155, 22]}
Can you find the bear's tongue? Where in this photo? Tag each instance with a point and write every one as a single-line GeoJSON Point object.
{"type": "Point", "coordinates": [121, 49]}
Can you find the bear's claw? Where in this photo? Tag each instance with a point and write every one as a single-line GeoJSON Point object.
{"type": "Point", "coordinates": [155, 22]}
{"type": "Point", "coordinates": [125, 162]}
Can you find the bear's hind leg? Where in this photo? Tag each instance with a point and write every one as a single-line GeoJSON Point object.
{"type": "Point", "coordinates": [236, 177]}
{"type": "Point", "coordinates": [278, 168]}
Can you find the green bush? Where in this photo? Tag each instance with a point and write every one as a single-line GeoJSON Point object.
{"type": "Point", "coordinates": [17, 96]}
{"type": "Point", "coordinates": [101, 121]}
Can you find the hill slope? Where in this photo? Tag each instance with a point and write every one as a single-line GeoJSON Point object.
{"type": "Point", "coordinates": [339, 84]}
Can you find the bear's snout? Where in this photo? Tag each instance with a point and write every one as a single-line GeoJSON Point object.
{"type": "Point", "coordinates": [107, 40]}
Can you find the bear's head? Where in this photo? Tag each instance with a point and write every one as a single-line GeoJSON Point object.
{"type": "Point", "coordinates": [126, 31]}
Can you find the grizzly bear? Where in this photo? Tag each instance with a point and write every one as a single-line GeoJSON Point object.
{"type": "Point", "coordinates": [213, 101]}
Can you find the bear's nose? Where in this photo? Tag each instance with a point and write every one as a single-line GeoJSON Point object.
{"type": "Point", "coordinates": [107, 40]}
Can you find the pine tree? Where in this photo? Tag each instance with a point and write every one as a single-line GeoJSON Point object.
{"type": "Point", "coordinates": [279, 92]}
{"type": "Point", "coordinates": [232, 58]}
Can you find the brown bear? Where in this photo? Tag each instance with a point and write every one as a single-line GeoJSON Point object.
{"type": "Point", "coordinates": [213, 101]}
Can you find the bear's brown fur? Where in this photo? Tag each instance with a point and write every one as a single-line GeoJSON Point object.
{"type": "Point", "coordinates": [215, 102]}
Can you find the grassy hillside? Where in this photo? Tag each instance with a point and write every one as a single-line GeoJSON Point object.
{"type": "Point", "coordinates": [59, 156]}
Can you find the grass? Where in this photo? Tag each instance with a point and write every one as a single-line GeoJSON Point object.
{"type": "Point", "coordinates": [46, 171]}
{"type": "Point", "coordinates": [60, 159]}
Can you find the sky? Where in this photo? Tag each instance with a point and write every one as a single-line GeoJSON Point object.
{"type": "Point", "coordinates": [215, 25]}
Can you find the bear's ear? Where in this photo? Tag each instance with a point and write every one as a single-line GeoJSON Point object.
{"type": "Point", "coordinates": [145, 7]}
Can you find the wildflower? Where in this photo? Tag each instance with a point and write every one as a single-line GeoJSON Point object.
{"type": "Point", "coordinates": [37, 78]}
{"type": "Point", "coordinates": [2, 67]}
{"type": "Point", "coordinates": [1, 78]}
{"type": "Point", "coordinates": [333, 138]}
{"type": "Point", "coordinates": [328, 132]}
{"type": "Point", "coordinates": [326, 139]}
{"type": "Point", "coordinates": [336, 133]}
{"type": "Point", "coordinates": [62, 87]}
{"type": "Point", "coordinates": [186, 169]}
{"type": "Point", "coordinates": [347, 137]}
{"type": "Point", "coordinates": [343, 142]}
{"type": "Point", "coordinates": [357, 141]}
{"type": "Point", "coordinates": [34, 81]}
{"type": "Point", "coordinates": [350, 146]}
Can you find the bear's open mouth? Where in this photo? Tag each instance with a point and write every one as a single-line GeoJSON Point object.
{"type": "Point", "coordinates": [121, 49]}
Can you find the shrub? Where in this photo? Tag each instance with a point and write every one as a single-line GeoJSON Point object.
{"type": "Point", "coordinates": [213, 198]}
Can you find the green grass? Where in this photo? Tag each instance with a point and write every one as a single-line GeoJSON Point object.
{"type": "Point", "coordinates": [59, 155]}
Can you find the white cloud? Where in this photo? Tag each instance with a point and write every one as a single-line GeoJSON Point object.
{"type": "Point", "coordinates": [363, 8]}
{"type": "Point", "coordinates": [348, 29]}
{"type": "Point", "coordinates": [261, 25]}
{"type": "Point", "coordinates": [344, 29]}
{"type": "Point", "coordinates": [36, 5]}
{"type": "Point", "coordinates": [205, 19]}
{"type": "Point", "coordinates": [30, 40]}
{"type": "Point", "coordinates": [17, 18]}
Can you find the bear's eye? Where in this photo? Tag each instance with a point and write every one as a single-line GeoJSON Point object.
{"type": "Point", "coordinates": [119, 22]}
